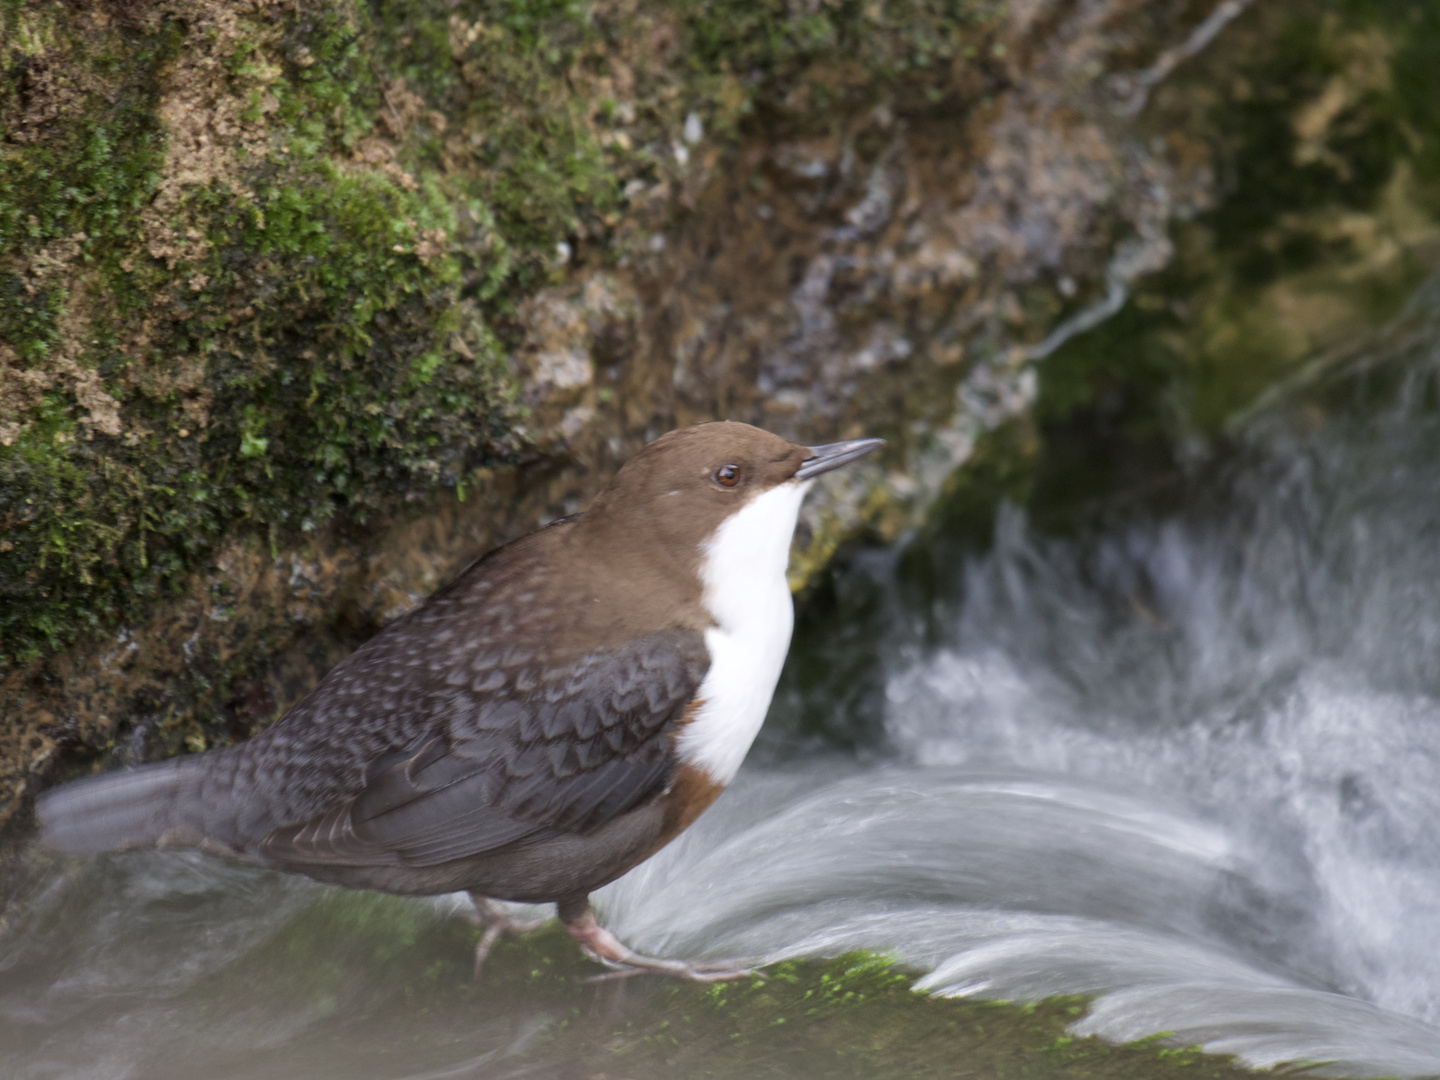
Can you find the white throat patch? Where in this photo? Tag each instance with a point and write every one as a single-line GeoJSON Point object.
{"type": "Point", "coordinates": [746, 594]}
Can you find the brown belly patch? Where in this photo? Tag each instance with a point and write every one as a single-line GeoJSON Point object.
{"type": "Point", "coordinates": [689, 795]}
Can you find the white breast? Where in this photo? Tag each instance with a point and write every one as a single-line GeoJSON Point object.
{"type": "Point", "coordinates": [749, 599]}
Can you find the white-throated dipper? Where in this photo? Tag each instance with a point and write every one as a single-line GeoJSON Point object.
{"type": "Point", "coordinates": [554, 716]}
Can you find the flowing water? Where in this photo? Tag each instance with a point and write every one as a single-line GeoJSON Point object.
{"type": "Point", "coordinates": [1187, 762]}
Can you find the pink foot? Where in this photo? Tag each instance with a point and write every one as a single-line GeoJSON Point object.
{"type": "Point", "coordinates": [604, 946]}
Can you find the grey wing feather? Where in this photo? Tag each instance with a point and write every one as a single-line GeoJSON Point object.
{"type": "Point", "coordinates": [585, 744]}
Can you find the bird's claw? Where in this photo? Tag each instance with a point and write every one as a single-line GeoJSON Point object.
{"type": "Point", "coordinates": [497, 922]}
{"type": "Point", "coordinates": [625, 962]}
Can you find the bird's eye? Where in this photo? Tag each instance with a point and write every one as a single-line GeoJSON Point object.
{"type": "Point", "coordinates": [727, 475]}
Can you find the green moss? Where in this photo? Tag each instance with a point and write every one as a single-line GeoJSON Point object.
{"type": "Point", "coordinates": [532, 160]}
{"type": "Point", "coordinates": [319, 326]}
{"type": "Point", "coordinates": [84, 183]}
{"type": "Point", "coordinates": [804, 57]}
{"type": "Point", "coordinates": [856, 1016]}
{"type": "Point", "coordinates": [69, 516]}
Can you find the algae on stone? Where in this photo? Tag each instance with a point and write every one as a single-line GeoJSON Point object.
{"type": "Point", "coordinates": [360, 968]}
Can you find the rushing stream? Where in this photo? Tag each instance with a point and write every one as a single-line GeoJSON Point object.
{"type": "Point", "coordinates": [1188, 763]}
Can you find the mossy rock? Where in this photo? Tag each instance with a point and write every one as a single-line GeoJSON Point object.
{"type": "Point", "coordinates": [260, 264]}
{"type": "Point", "coordinates": [382, 979]}
{"type": "Point", "coordinates": [277, 278]}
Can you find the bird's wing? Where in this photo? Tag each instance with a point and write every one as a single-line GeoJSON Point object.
{"type": "Point", "coordinates": [565, 749]}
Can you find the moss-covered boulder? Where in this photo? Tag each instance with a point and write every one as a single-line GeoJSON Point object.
{"type": "Point", "coordinates": [269, 272]}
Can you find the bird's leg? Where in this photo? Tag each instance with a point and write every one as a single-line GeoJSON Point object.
{"type": "Point", "coordinates": [579, 921]}
{"type": "Point", "coordinates": [496, 921]}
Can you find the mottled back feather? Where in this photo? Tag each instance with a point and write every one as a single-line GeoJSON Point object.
{"type": "Point", "coordinates": [566, 751]}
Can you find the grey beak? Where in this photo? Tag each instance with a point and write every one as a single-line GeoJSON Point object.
{"type": "Point", "coordinates": [832, 455]}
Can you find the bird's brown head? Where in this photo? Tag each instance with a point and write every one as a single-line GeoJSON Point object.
{"type": "Point", "coordinates": [671, 498]}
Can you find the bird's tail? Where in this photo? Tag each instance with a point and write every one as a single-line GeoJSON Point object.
{"type": "Point", "coordinates": [119, 811]}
